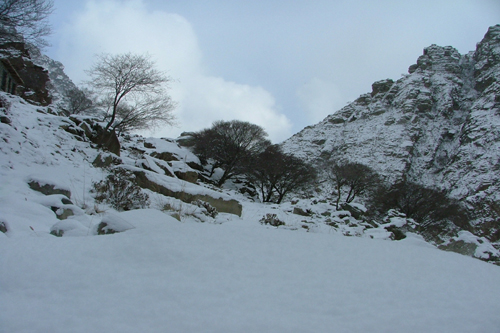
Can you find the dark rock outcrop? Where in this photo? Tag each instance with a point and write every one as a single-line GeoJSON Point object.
{"type": "Point", "coordinates": [35, 78]}
{"type": "Point", "coordinates": [48, 189]}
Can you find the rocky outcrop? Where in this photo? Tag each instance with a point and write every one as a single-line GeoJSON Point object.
{"type": "Point", "coordinates": [35, 78]}
{"type": "Point", "coordinates": [438, 126]}
{"type": "Point", "coordinates": [222, 205]}
{"type": "Point", "coordinates": [47, 188]}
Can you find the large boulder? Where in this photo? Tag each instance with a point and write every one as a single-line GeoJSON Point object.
{"type": "Point", "coordinates": [460, 246]}
{"type": "Point", "coordinates": [48, 189]}
{"type": "Point", "coordinates": [188, 176]}
{"type": "Point", "coordinates": [222, 204]}
{"type": "Point", "coordinates": [108, 141]}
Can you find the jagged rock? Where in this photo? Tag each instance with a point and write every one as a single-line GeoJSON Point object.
{"type": "Point", "coordinates": [185, 139]}
{"type": "Point", "coordinates": [62, 213]}
{"type": "Point", "coordinates": [35, 78]}
{"type": "Point", "coordinates": [355, 211]}
{"type": "Point", "coordinates": [87, 129]}
{"type": "Point", "coordinates": [439, 127]}
{"type": "Point", "coordinates": [69, 227]}
{"type": "Point", "coordinates": [397, 233]}
{"type": "Point", "coordinates": [107, 140]}
{"type": "Point", "coordinates": [76, 131]}
{"type": "Point", "coordinates": [48, 189]}
{"type": "Point", "coordinates": [103, 229]}
{"type": "Point", "coordinates": [66, 201]}
{"type": "Point", "coordinates": [195, 166]}
{"type": "Point", "coordinates": [164, 156]}
{"type": "Point", "coordinates": [381, 87]}
{"type": "Point", "coordinates": [57, 232]}
{"type": "Point", "coordinates": [105, 160]}
{"type": "Point", "coordinates": [149, 145]}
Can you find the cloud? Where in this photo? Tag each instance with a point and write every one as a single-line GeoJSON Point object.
{"type": "Point", "coordinates": [319, 98]}
{"type": "Point", "coordinates": [128, 26]}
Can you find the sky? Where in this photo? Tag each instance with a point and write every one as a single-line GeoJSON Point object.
{"type": "Point", "coordinates": [283, 65]}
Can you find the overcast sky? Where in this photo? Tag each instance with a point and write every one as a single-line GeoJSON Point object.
{"type": "Point", "coordinates": [280, 64]}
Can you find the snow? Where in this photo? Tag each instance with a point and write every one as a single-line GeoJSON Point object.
{"type": "Point", "coordinates": [229, 274]}
{"type": "Point", "coordinates": [167, 276]}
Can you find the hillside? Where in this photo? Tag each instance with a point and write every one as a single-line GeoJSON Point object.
{"type": "Point", "coordinates": [438, 126]}
{"type": "Point", "coordinates": [230, 273]}
{"type": "Point", "coordinates": [179, 254]}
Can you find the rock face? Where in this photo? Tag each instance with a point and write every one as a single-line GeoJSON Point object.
{"type": "Point", "coordinates": [223, 205]}
{"type": "Point", "coordinates": [438, 126]}
{"type": "Point", "coordinates": [35, 77]}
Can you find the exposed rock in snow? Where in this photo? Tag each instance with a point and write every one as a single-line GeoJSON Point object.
{"type": "Point", "coordinates": [438, 126]}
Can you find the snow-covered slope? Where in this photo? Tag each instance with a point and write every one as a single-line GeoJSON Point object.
{"type": "Point", "coordinates": [438, 126]}
{"type": "Point", "coordinates": [165, 270]}
{"type": "Point", "coordinates": [167, 276]}
{"type": "Point", "coordinates": [229, 274]}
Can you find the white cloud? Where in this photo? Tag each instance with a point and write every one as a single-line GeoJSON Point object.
{"type": "Point", "coordinates": [118, 27]}
{"type": "Point", "coordinates": [319, 98]}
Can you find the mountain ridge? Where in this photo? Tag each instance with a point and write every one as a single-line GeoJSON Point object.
{"type": "Point", "coordinates": [438, 125]}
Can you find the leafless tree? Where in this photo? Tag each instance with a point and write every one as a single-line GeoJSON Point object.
{"type": "Point", "coordinates": [356, 178]}
{"type": "Point", "coordinates": [25, 21]}
{"type": "Point", "coordinates": [276, 174]}
{"type": "Point", "coordinates": [78, 101]}
{"type": "Point", "coordinates": [229, 144]}
{"type": "Point", "coordinates": [427, 206]}
{"type": "Point", "coordinates": [148, 112]}
{"type": "Point", "coordinates": [131, 90]}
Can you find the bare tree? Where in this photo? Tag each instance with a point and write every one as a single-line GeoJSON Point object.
{"type": "Point", "coordinates": [295, 175]}
{"type": "Point", "coordinates": [276, 173]}
{"type": "Point", "coordinates": [149, 112]}
{"type": "Point", "coordinates": [25, 21]}
{"type": "Point", "coordinates": [355, 176]}
{"type": "Point", "coordinates": [229, 144]}
{"type": "Point", "coordinates": [78, 101]}
{"type": "Point", "coordinates": [131, 90]}
{"type": "Point", "coordinates": [426, 205]}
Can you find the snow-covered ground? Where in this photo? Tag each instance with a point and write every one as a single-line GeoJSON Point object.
{"type": "Point", "coordinates": [168, 276]}
{"type": "Point", "coordinates": [229, 274]}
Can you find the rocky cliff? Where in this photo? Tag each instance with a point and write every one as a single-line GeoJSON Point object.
{"type": "Point", "coordinates": [438, 126]}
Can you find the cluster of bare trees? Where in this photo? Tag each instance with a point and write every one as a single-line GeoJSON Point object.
{"type": "Point", "coordinates": [275, 174]}
{"type": "Point", "coordinates": [350, 180]}
{"type": "Point", "coordinates": [241, 148]}
{"type": "Point", "coordinates": [430, 207]}
{"type": "Point", "coordinates": [229, 145]}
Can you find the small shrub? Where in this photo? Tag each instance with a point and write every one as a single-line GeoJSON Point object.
{"type": "Point", "coordinates": [119, 191]}
{"type": "Point", "coordinates": [272, 220]}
